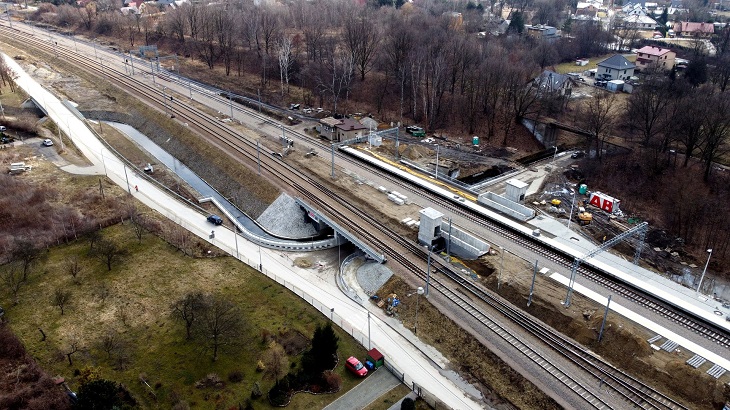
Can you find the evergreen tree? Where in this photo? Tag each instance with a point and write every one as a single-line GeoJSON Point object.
{"type": "Point", "coordinates": [696, 72]}
{"type": "Point", "coordinates": [323, 354]}
{"type": "Point", "coordinates": [517, 24]}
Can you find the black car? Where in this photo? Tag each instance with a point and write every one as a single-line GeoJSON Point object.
{"type": "Point", "coordinates": [215, 220]}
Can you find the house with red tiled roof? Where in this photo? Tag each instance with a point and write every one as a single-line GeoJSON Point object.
{"type": "Point", "coordinates": [653, 56]}
{"type": "Point", "coordinates": [689, 29]}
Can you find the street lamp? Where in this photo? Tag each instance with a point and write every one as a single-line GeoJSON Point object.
{"type": "Point", "coordinates": [501, 266]}
{"type": "Point", "coordinates": [419, 291]}
{"type": "Point", "coordinates": [709, 251]}
{"type": "Point", "coordinates": [554, 155]}
{"type": "Point", "coordinates": [572, 203]}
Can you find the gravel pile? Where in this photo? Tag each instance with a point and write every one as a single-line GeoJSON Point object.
{"type": "Point", "coordinates": [372, 276]}
{"type": "Point", "coordinates": [284, 217]}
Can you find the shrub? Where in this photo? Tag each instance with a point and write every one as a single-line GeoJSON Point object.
{"type": "Point", "coordinates": [408, 404]}
{"type": "Point", "coordinates": [256, 391]}
{"type": "Point", "coordinates": [235, 376]}
{"type": "Point", "coordinates": [332, 381]}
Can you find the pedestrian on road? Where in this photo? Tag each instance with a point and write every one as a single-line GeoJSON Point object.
{"type": "Point", "coordinates": [136, 188]}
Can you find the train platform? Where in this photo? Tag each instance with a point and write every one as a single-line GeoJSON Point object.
{"type": "Point", "coordinates": [704, 305]}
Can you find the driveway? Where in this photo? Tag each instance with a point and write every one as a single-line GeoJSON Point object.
{"type": "Point", "coordinates": [374, 386]}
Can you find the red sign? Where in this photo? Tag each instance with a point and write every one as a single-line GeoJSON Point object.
{"type": "Point", "coordinates": [603, 203]}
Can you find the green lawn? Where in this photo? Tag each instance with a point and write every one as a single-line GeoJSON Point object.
{"type": "Point", "coordinates": [140, 290]}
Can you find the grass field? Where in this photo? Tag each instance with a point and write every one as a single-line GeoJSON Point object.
{"type": "Point", "coordinates": [592, 63]}
{"type": "Point", "coordinates": [133, 300]}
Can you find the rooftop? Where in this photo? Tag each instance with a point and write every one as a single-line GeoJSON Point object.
{"type": "Point", "coordinates": [653, 50]}
{"type": "Point", "coordinates": [618, 62]}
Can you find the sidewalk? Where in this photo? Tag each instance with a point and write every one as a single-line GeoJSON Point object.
{"type": "Point", "coordinates": [322, 294]}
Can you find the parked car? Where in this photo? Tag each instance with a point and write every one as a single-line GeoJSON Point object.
{"type": "Point", "coordinates": [354, 365]}
{"type": "Point", "coordinates": [578, 154]}
{"type": "Point", "coordinates": [2, 128]}
{"type": "Point", "coordinates": [215, 220]}
{"type": "Point", "coordinates": [47, 142]}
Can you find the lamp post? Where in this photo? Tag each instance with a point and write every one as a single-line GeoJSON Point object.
{"type": "Point", "coordinates": [572, 203]}
{"type": "Point", "coordinates": [419, 291]}
{"type": "Point", "coordinates": [501, 266]}
{"type": "Point", "coordinates": [428, 271]}
{"type": "Point", "coordinates": [554, 155]}
{"type": "Point", "coordinates": [709, 251]}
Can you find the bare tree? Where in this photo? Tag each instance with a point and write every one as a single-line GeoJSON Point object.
{"type": "Point", "coordinates": [597, 117]}
{"type": "Point", "coordinates": [208, 35]}
{"type": "Point", "coordinates": [362, 38]}
{"type": "Point", "coordinates": [87, 14]}
{"type": "Point", "coordinates": [276, 361]}
{"type": "Point", "coordinates": [692, 108]}
{"type": "Point", "coordinates": [175, 20]}
{"type": "Point", "coordinates": [648, 107]}
{"type": "Point", "coordinates": [716, 132]}
{"type": "Point", "coordinates": [109, 342]}
{"type": "Point", "coordinates": [27, 254]}
{"type": "Point", "coordinates": [285, 62]}
{"type": "Point", "coordinates": [336, 74]}
{"type": "Point", "coordinates": [12, 276]}
{"type": "Point", "coordinates": [74, 345]}
{"type": "Point", "coordinates": [138, 222]}
{"type": "Point", "coordinates": [225, 22]}
{"type": "Point", "coordinates": [220, 323]}
{"type": "Point", "coordinates": [188, 310]}
{"type": "Point", "coordinates": [108, 252]}
{"type": "Point", "coordinates": [61, 299]}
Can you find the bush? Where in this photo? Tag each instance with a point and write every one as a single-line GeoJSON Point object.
{"type": "Point", "coordinates": [235, 376]}
{"type": "Point", "coordinates": [332, 381]}
{"type": "Point", "coordinates": [279, 394]}
{"type": "Point", "coordinates": [256, 391]}
{"type": "Point", "coordinates": [408, 404]}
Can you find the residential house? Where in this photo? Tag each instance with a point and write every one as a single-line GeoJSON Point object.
{"type": "Point", "coordinates": [652, 56]}
{"type": "Point", "coordinates": [640, 22]}
{"type": "Point", "coordinates": [327, 127]}
{"type": "Point", "coordinates": [340, 129]}
{"type": "Point", "coordinates": [550, 83]}
{"type": "Point", "coordinates": [634, 9]}
{"type": "Point", "coordinates": [589, 8]}
{"type": "Point", "coordinates": [542, 32]}
{"type": "Point", "coordinates": [616, 67]}
{"type": "Point", "coordinates": [349, 128]}
{"type": "Point", "coordinates": [689, 29]}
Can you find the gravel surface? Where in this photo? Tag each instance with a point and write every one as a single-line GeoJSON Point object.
{"type": "Point", "coordinates": [284, 217]}
{"type": "Point", "coordinates": [372, 276]}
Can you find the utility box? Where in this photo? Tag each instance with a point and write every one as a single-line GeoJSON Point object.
{"type": "Point", "coordinates": [430, 228]}
{"type": "Point", "coordinates": [516, 190]}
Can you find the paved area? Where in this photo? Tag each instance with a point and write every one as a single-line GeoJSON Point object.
{"type": "Point", "coordinates": [374, 386]}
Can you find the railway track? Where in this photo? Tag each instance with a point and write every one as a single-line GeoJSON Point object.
{"type": "Point", "coordinates": [633, 391]}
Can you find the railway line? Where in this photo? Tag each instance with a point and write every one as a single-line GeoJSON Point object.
{"type": "Point", "coordinates": [632, 391]}
{"type": "Point", "coordinates": [659, 307]}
